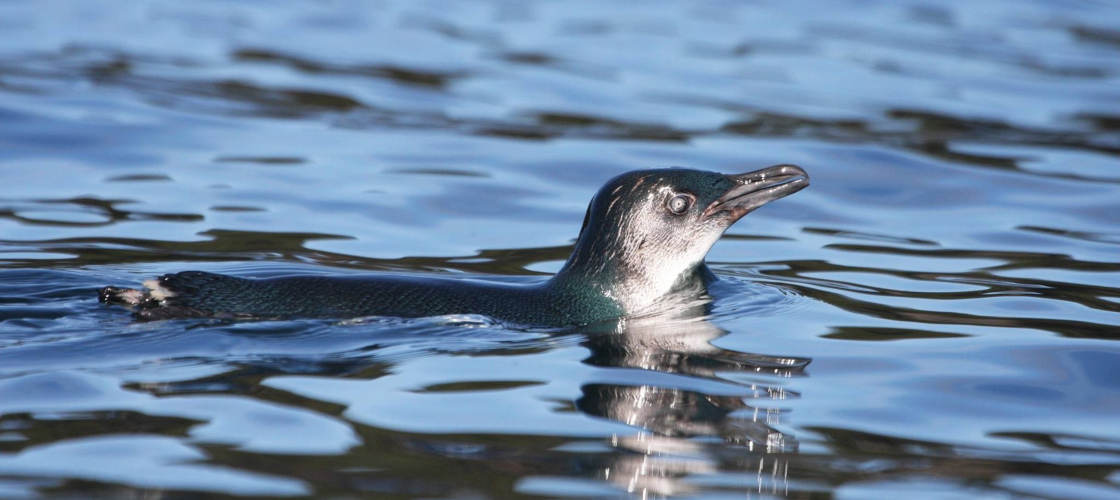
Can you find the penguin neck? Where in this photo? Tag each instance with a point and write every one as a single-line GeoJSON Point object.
{"type": "Point", "coordinates": [609, 272]}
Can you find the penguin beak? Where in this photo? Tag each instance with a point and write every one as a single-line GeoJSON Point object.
{"type": "Point", "coordinates": [754, 189]}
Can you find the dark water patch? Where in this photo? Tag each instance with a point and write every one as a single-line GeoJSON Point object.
{"type": "Point", "coordinates": [237, 208]}
{"type": "Point", "coordinates": [478, 386]}
{"type": "Point", "coordinates": [881, 334]}
{"type": "Point", "coordinates": [1103, 122]}
{"type": "Point", "coordinates": [1067, 442]}
{"type": "Point", "coordinates": [599, 127]}
{"type": "Point", "coordinates": [751, 48]}
{"type": "Point", "coordinates": [140, 178]}
{"type": "Point", "coordinates": [54, 217]}
{"type": "Point", "coordinates": [61, 426]}
{"type": "Point", "coordinates": [540, 126]}
{"type": "Point", "coordinates": [396, 74]}
{"type": "Point", "coordinates": [513, 132]}
{"type": "Point", "coordinates": [85, 212]}
{"type": "Point", "coordinates": [1097, 34]}
{"type": "Point", "coordinates": [551, 62]}
{"type": "Point", "coordinates": [532, 58]}
{"type": "Point", "coordinates": [754, 237]}
{"type": "Point", "coordinates": [246, 97]}
{"type": "Point", "coordinates": [1111, 238]}
{"type": "Point", "coordinates": [244, 375]}
{"type": "Point", "coordinates": [858, 235]}
{"type": "Point", "coordinates": [262, 160]}
{"type": "Point", "coordinates": [933, 14]}
{"type": "Point", "coordinates": [436, 172]}
{"type": "Point", "coordinates": [774, 125]}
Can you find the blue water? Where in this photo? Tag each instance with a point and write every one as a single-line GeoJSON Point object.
{"type": "Point", "coordinates": [937, 316]}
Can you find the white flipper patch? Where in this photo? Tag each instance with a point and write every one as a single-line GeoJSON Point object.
{"type": "Point", "coordinates": [157, 291]}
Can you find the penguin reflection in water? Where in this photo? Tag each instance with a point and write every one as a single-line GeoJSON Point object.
{"type": "Point", "coordinates": [641, 248]}
{"type": "Point", "coordinates": [711, 404]}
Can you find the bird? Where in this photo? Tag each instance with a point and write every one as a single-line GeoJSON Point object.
{"type": "Point", "coordinates": [641, 248]}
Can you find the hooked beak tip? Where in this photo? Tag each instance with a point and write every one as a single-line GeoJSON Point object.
{"type": "Point", "coordinates": [757, 188]}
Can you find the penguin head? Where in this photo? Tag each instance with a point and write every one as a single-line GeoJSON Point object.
{"type": "Point", "coordinates": [646, 230]}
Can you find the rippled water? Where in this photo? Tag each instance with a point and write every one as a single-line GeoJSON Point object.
{"type": "Point", "coordinates": [936, 316]}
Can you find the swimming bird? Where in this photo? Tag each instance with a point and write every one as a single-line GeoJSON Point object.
{"type": "Point", "coordinates": [643, 241]}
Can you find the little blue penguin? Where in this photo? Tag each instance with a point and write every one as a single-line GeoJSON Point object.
{"type": "Point", "coordinates": [644, 239]}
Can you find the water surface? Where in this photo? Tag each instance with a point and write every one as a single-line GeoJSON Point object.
{"type": "Point", "coordinates": [936, 316]}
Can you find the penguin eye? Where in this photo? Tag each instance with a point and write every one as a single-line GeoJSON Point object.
{"type": "Point", "coordinates": [679, 204]}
